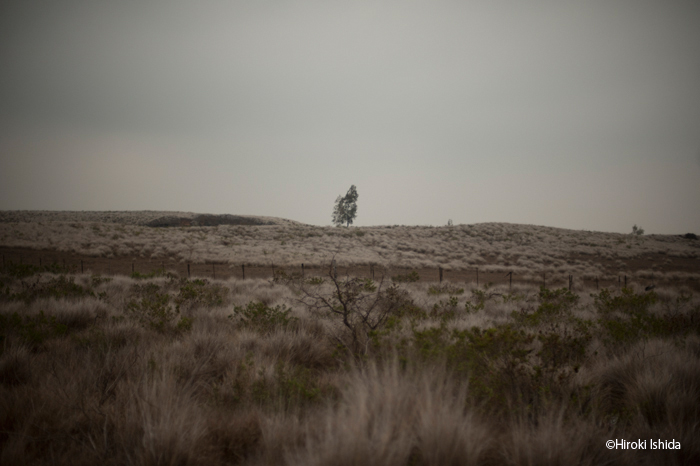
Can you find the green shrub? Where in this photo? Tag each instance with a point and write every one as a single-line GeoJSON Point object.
{"type": "Point", "coordinates": [199, 292]}
{"type": "Point", "coordinates": [445, 309]}
{"type": "Point", "coordinates": [259, 316]}
{"type": "Point", "coordinates": [33, 329]}
{"type": "Point", "coordinates": [152, 309]}
{"type": "Point", "coordinates": [554, 306]}
{"type": "Point", "coordinates": [184, 324]}
{"type": "Point", "coordinates": [494, 360]}
{"type": "Point", "coordinates": [314, 281]}
{"type": "Point", "coordinates": [20, 271]}
{"type": "Point", "coordinates": [410, 277]}
{"type": "Point", "coordinates": [59, 287]}
{"type": "Point", "coordinates": [626, 318]}
{"type": "Point", "coordinates": [477, 301]}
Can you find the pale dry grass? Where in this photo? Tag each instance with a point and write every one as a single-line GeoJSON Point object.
{"type": "Point", "coordinates": [525, 250]}
{"type": "Point", "coordinates": [111, 390]}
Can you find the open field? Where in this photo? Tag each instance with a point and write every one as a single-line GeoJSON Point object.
{"type": "Point", "coordinates": [164, 369]}
{"type": "Point", "coordinates": [525, 250]}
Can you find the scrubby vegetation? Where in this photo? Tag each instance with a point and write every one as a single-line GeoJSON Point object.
{"type": "Point", "coordinates": [527, 251]}
{"type": "Point", "coordinates": [317, 370]}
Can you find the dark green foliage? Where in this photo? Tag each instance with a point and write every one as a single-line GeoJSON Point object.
{"type": "Point", "coordinates": [20, 271]}
{"type": "Point", "coordinates": [494, 360]}
{"type": "Point", "coordinates": [445, 309]}
{"type": "Point", "coordinates": [314, 281]}
{"type": "Point", "coordinates": [199, 292]}
{"type": "Point", "coordinates": [97, 280]}
{"type": "Point", "coordinates": [554, 305]}
{"type": "Point", "coordinates": [626, 302]}
{"type": "Point", "coordinates": [152, 307]}
{"type": "Point", "coordinates": [33, 329]}
{"type": "Point", "coordinates": [345, 209]}
{"type": "Point", "coordinates": [406, 278]}
{"type": "Point", "coordinates": [477, 301]}
{"type": "Point", "coordinates": [290, 387]}
{"type": "Point", "coordinates": [59, 287]}
{"type": "Point", "coordinates": [259, 316]}
{"type": "Point", "coordinates": [627, 317]}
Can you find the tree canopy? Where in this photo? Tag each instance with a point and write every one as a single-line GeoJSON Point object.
{"type": "Point", "coordinates": [345, 209]}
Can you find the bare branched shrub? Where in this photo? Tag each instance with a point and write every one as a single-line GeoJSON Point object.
{"type": "Point", "coordinates": [360, 303]}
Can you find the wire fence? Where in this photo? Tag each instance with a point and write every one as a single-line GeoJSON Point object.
{"type": "Point", "coordinates": [140, 268]}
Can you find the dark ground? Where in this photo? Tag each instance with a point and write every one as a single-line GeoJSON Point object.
{"type": "Point", "coordinates": [124, 265]}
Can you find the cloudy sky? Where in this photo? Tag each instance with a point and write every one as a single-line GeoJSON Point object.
{"type": "Point", "coordinates": [581, 115]}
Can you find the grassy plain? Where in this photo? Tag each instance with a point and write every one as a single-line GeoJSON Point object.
{"type": "Point", "coordinates": [348, 371]}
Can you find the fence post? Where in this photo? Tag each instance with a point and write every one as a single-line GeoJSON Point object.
{"type": "Point", "coordinates": [618, 282]}
{"type": "Point", "coordinates": [596, 283]}
{"type": "Point", "coordinates": [81, 265]}
{"type": "Point", "coordinates": [132, 268]}
{"type": "Point", "coordinates": [625, 281]}
{"type": "Point", "coordinates": [569, 282]}
{"type": "Point", "coordinates": [243, 270]}
{"type": "Point", "coordinates": [371, 270]}
{"type": "Point", "coordinates": [440, 269]}
{"type": "Point", "coordinates": [188, 270]}
{"type": "Point", "coordinates": [162, 266]}
{"type": "Point", "coordinates": [302, 270]}
{"type": "Point", "coordinates": [510, 284]}
{"type": "Point", "coordinates": [213, 270]}
{"type": "Point", "coordinates": [477, 277]}
{"type": "Point", "coordinates": [544, 279]}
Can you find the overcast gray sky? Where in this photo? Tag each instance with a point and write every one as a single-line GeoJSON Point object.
{"type": "Point", "coordinates": [580, 115]}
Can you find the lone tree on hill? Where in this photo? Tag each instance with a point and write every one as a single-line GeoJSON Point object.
{"type": "Point", "coordinates": [345, 209]}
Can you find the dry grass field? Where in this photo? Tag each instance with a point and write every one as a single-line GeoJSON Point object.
{"type": "Point", "coordinates": [161, 368]}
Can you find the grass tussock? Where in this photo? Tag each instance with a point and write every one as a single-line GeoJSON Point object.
{"type": "Point", "coordinates": [347, 371]}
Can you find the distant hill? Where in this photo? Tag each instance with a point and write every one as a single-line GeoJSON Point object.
{"type": "Point", "coordinates": [152, 218]}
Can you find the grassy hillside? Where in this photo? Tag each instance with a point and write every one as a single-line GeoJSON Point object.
{"type": "Point", "coordinates": [525, 250]}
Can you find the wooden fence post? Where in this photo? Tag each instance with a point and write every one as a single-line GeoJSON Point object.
{"type": "Point", "coordinates": [188, 270]}
{"type": "Point", "coordinates": [213, 270]}
{"type": "Point", "coordinates": [510, 284]}
{"type": "Point", "coordinates": [596, 283]}
{"type": "Point", "coordinates": [132, 268]}
{"type": "Point", "coordinates": [477, 277]}
{"type": "Point", "coordinates": [440, 269]}
{"type": "Point", "coordinates": [302, 270]}
{"type": "Point", "coordinates": [544, 279]}
{"type": "Point", "coordinates": [625, 281]}
{"type": "Point", "coordinates": [81, 265]}
{"type": "Point", "coordinates": [243, 270]}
